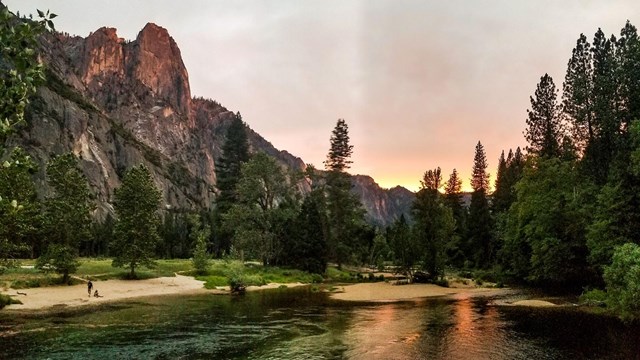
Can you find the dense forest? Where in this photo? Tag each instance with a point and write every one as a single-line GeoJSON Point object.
{"type": "Point", "coordinates": [565, 211]}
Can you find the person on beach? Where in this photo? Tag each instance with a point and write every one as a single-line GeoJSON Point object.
{"type": "Point", "coordinates": [89, 287]}
{"type": "Point", "coordinates": [95, 294]}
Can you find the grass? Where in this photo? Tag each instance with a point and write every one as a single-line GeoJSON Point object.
{"type": "Point", "coordinates": [218, 274]}
{"type": "Point", "coordinates": [252, 275]}
{"type": "Point", "coordinates": [7, 300]}
{"type": "Point", "coordinates": [93, 269]}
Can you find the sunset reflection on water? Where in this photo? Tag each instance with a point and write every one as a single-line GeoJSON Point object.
{"type": "Point", "coordinates": [427, 329]}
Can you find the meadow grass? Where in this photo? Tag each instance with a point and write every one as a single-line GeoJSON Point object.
{"type": "Point", "coordinates": [219, 273]}
{"type": "Point", "coordinates": [252, 275]}
{"type": "Point", "coordinates": [91, 269]}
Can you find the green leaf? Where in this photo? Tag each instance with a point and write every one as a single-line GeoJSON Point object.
{"type": "Point", "coordinates": [40, 13]}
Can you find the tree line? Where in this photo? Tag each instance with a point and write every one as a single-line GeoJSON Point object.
{"type": "Point", "coordinates": [566, 211]}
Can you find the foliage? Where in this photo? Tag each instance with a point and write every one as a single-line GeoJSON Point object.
{"type": "Point", "coordinates": [404, 245]}
{"type": "Point", "coordinates": [61, 258]}
{"type": "Point", "coordinates": [622, 278]}
{"type": "Point", "coordinates": [545, 233]}
{"type": "Point", "coordinates": [479, 247]}
{"type": "Point", "coordinates": [21, 71]}
{"type": "Point", "coordinates": [453, 199]}
{"type": "Point", "coordinates": [20, 219]}
{"type": "Point", "coordinates": [340, 150]}
{"type": "Point", "coordinates": [136, 231]}
{"type": "Point", "coordinates": [432, 179]}
{"type": "Point", "coordinates": [67, 214]}
{"type": "Point", "coordinates": [235, 152]}
{"type": "Point", "coordinates": [433, 226]}
{"type": "Point", "coordinates": [201, 258]}
{"type": "Point", "coordinates": [479, 175]}
{"type": "Point", "coordinates": [265, 202]}
{"type": "Point", "coordinates": [544, 126]}
{"type": "Point", "coordinates": [7, 300]}
{"type": "Point", "coordinates": [306, 246]}
{"type": "Point", "coordinates": [345, 216]}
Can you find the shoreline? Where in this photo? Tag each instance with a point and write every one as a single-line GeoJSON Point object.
{"type": "Point", "coordinates": [386, 292]}
{"type": "Point", "coordinates": [60, 298]}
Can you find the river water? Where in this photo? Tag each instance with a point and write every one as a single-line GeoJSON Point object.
{"type": "Point", "coordinates": [301, 324]}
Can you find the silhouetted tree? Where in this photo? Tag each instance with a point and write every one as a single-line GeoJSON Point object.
{"type": "Point", "coordinates": [544, 127]}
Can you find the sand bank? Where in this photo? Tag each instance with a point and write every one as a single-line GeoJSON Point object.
{"type": "Point", "coordinates": [113, 290]}
{"type": "Point", "coordinates": [382, 291]}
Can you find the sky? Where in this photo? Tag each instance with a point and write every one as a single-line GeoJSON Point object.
{"type": "Point", "coordinates": [419, 83]}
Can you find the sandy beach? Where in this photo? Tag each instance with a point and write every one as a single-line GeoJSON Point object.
{"type": "Point", "coordinates": [57, 297]}
{"type": "Point", "coordinates": [382, 291]}
{"type": "Point", "coordinates": [111, 290]}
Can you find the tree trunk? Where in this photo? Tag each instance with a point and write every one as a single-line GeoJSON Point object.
{"type": "Point", "coordinates": [132, 274]}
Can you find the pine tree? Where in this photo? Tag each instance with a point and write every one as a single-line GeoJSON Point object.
{"type": "Point", "coordinates": [479, 175]}
{"type": "Point", "coordinates": [544, 128]}
{"type": "Point", "coordinates": [338, 158]}
{"type": "Point", "coordinates": [601, 151]}
{"type": "Point", "coordinates": [235, 152]}
{"type": "Point", "coordinates": [479, 240]}
{"type": "Point", "coordinates": [434, 224]}
{"type": "Point", "coordinates": [502, 188]}
{"type": "Point", "coordinates": [453, 199]}
{"type": "Point", "coordinates": [345, 214]}
{"type": "Point", "coordinates": [136, 205]}
{"type": "Point", "coordinates": [577, 94]}
{"type": "Point", "coordinates": [68, 214]}
{"type": "Point", "coordinates": [309, 250]}
{"type": "Point", "coordinates": [628, 74]}
{"type": "Point", "coordinates": [432, 179]}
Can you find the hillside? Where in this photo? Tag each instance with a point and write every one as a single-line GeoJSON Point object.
{"type": "Point", "coordinates": [117, 103]}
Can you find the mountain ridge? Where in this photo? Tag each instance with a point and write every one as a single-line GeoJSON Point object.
{"type": "Point", "coordinates": [117, 103]}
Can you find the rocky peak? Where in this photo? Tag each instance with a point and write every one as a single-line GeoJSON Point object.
{"type": "Point", "coordinates": [111, 67]}
{"type": "Point", "coordinates": [103, 55]}
{"type": "Point", "coordinates": [157, 63]}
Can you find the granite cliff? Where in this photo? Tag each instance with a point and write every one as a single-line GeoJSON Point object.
{"type": "Point", "coordinates": [117, 103]}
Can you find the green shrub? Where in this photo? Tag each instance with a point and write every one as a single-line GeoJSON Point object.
{"type": "Point", "coordinates": [7, 300]}
{"type": "Point", "coordinates": [236, 276]}
{"type": "Point", "coordinates": [593, 297]}
{"type": "Point", "coordinates": [441, 282]}
{"type": "Point", "coordinates": [316, 278]}
{"type": "Point", "coordinates": [622, 279]}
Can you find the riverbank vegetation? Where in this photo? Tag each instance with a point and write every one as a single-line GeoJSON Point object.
{"type": "Point", "coordinates": [564, 212]}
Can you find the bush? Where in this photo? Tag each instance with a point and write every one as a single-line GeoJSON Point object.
{"type": "Point", "coordinates": [7, 300]}
{"type": "Point", "coordinates": [235, 274]}
{"type": "Point", "coordinates": [594, 297]}
{"type": "Point", "coordinates": [201, 259]}
{"type": "Point", "coordinates": [622, 279]}
{"type": "Point", "coordinates": [316, 278]}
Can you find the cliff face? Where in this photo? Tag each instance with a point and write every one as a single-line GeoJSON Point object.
{"type": "Point", "coordinates": [383, 206]}
{"type": "Point", "coordinates": [117, 104]}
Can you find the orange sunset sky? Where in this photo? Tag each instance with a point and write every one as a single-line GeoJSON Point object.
{"type": "Point", "coordinates": [418, 82]}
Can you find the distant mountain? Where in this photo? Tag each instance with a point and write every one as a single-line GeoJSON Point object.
{"type": "Point", "coordinates": [117, 103]}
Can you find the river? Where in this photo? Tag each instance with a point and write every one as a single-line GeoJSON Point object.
{"type": "Point", "coordinates": [301, 324]}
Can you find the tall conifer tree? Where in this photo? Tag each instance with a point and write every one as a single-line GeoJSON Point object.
{"type": "Point", "coordinates": [479, 239]}
{"type": "Point", "coordinates": [544, 126]}
{"type": "Point", "coordinates": [345, 214]}
{"type": "Point", "coordinates": [235, 152]}
{"type": "Point", "coordinates": [577, 94]}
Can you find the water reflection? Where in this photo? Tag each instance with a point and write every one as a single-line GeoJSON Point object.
{"type": "Point", "coordinates": [299, 324]}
